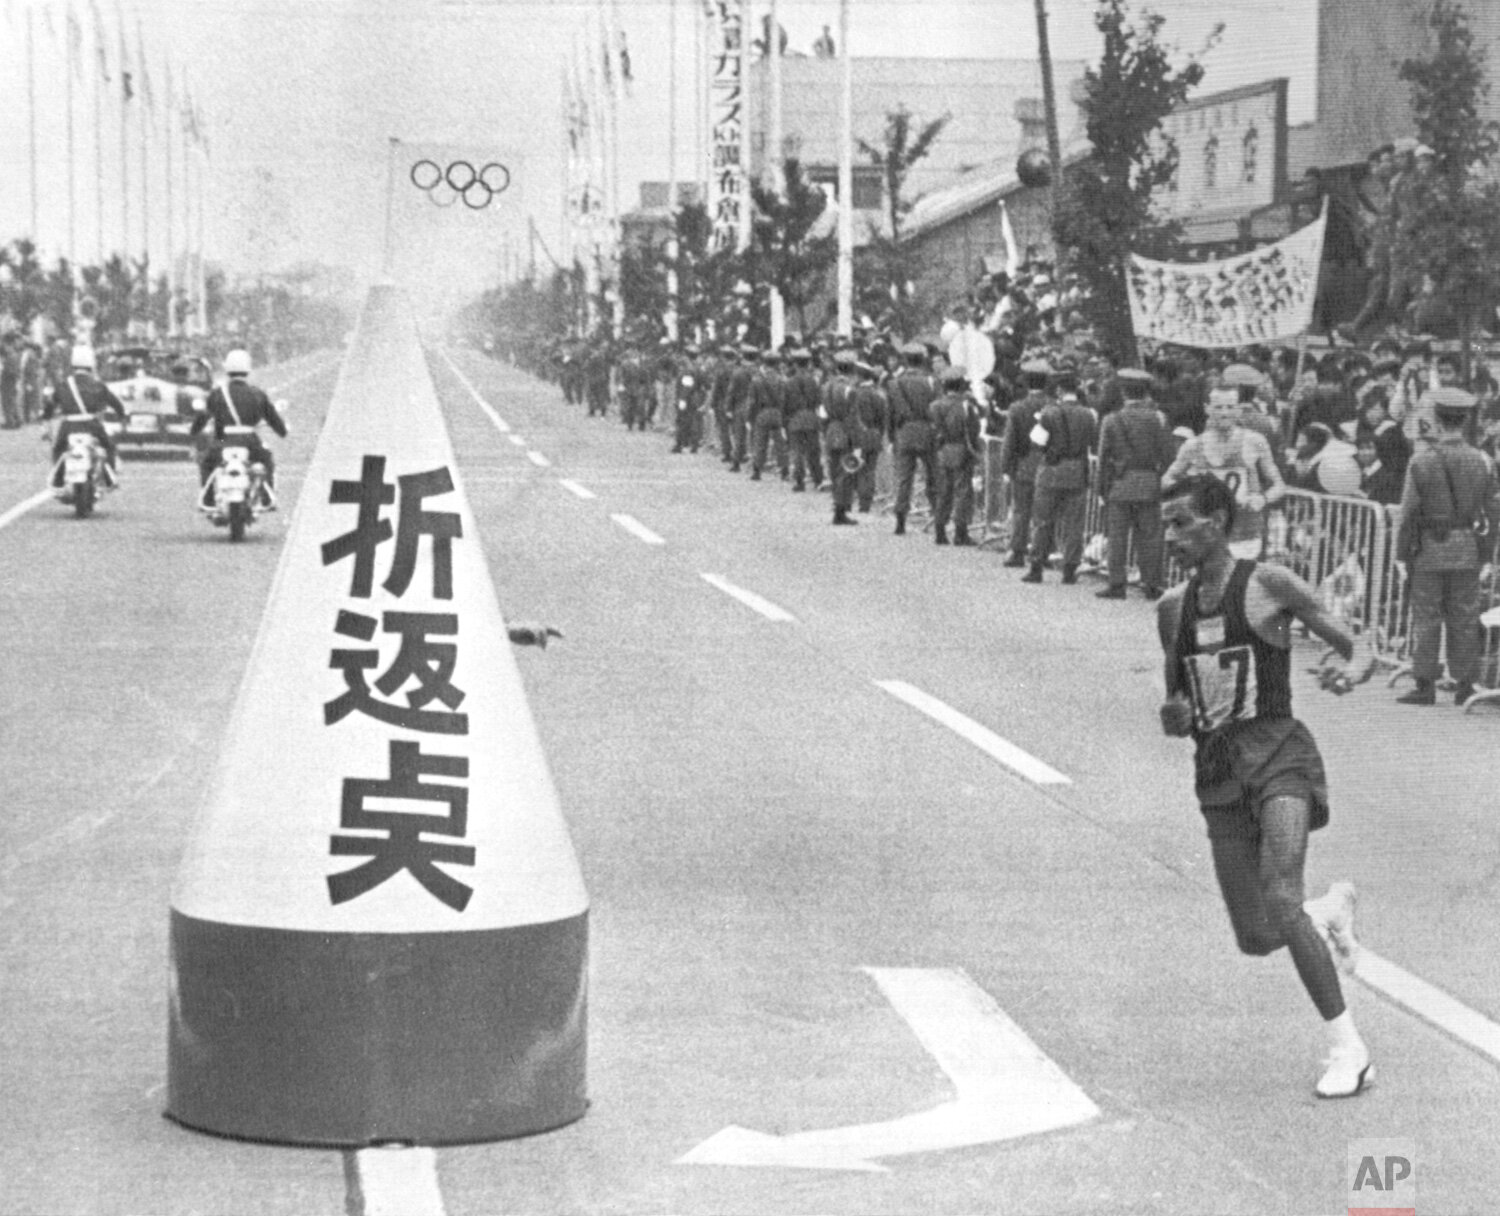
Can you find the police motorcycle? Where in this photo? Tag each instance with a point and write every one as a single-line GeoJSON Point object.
{"type": "Point", "coordinates": [237, 485]}
{"type": "Point", "coordinates": [83, 477]}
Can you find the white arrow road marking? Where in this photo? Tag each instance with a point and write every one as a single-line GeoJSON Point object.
{"type": "Point", "coordinates": [394, 1182]}
{"type": "Point", "coordinates": [538, 459]}
{"type": "Point", "coordinates": [1006, 1087]}
{"type": "Point", "coordinates": [763, 606]}
{"type": "Point", "coordinates": [500, 423]}
{"type": "Point", "coordinates": [1436, 1006]}
{"type": "Point", "coordinates": [578, 491]}
{"type": "Point", "coordinates": [980, 736]}
{"type": "Point", "coordinates": [638, 529]}
{"type": "Point", "coordinates": [25, 505]}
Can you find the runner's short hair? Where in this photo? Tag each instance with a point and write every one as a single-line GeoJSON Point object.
{"type": "Point", "coordinates": [1205, 494]}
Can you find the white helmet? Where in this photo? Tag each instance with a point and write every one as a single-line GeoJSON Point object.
{"type": "Point", "coordinates": [237, 363]}
{"type": "Point", "coordinates": [83, 359]}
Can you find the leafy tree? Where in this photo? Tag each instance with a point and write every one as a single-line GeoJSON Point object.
{"type": "Point", "coordinates": [1105, 211]}
{"type": "Point", "coordinates": [886, 269]}
{"type": "Point", "coordinates": [784, 251]}
{"type": "Point", "coordinates": [1448, 223]}
{"type": "Point", "coordinates": [23, 293]}
{"type": "Point", "coordinates": [706, 277]}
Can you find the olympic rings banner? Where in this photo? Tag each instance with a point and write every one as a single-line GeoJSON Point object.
{"type": "Point", "coordinates": [476, 186]}
{"type": "Point", "coordinates": [1256, 297]}
{"type": "Point", "coordinates": [728, 170]}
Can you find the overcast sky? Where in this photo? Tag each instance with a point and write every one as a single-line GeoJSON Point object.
{"type": "Point", "coordinates": [303, 96]}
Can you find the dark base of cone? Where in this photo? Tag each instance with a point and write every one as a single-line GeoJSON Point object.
{"type": "Point", "coordinates": [351, 1039]}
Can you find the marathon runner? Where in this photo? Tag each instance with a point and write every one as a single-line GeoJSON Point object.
{"type": "Point", "coordinates": [1226, 634]}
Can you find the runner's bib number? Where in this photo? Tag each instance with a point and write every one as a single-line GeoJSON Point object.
{"type": "Point", "coordinates": [1221, 686]}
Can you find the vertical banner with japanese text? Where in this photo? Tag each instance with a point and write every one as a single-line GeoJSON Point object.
{"type": "Point", "coordinates": [729, 109]}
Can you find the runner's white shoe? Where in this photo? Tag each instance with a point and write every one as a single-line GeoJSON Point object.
{"type": "Point", "coordinates": [1346, 1072]}
{"type": "Point", "coordinates": [1332, 916]}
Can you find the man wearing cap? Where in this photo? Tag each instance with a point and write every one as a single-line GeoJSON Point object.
{"type": "Point", "coordinates": [718, 399]}
{"type": "Point", "coordinates": [741, 390]}
{"type": "Point", "coordinates": [803, 398]}
{"type": "Point", "coordinates": [1135, 449]}
{"type": "Point", "coordinates": [1065, 431]}
{"type": "Point", "coordinates": [912, 393]}
{"type": "Point", "coordinates": [687, 400]}
{"type": "Point", "coordinates": [840, 433]}
{"type": "Point", "coordinates": [768, 415]}
{"type": "Point", "coordinates": [955, 428]}
{"type": "Point", "coordinates": [872, 409]}
{"type": "Point", "coordinates": [1020, 457]}
{"type": "Point", "coordinates": [1450, 509]}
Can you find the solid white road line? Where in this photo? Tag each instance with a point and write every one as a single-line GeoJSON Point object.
{"type": "Point", "coordinates": [395, 1182]}
{"type": "Point", "coordinates": [538, 459]}
{"type": "Point", "coordinates": [981, 737]}
{"type": "Point", "coordinates": [638, 529]}
{"type": "Point", "coordinates": [25, 505]}
{"type": "Point", "coordinates": [1429, 1003]}
{"type": "Point", "coordinates": [763, 606]}
{"type": "Point", "coordinates": [500, 424]}
{"type": "Point", "coordinates": [573, 488]}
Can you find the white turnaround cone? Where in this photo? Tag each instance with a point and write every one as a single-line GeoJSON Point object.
{"type": "Point", "coordinates": [379, 930]}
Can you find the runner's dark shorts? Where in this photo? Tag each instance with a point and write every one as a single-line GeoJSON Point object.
{"type": "Point", "coordinates": [1241, 769]}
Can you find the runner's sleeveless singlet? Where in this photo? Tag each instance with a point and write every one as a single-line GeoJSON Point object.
{"type": "Point", "coordinates": [1229, 672]}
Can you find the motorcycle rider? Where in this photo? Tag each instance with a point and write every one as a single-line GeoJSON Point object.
{"type": "Point", "coordinates": [237, 402]}
{"type": "Point", "coordinates": [80, 399]}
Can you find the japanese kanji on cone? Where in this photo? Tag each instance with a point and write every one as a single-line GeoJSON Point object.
{"type": "Point", "coordinates": [379, 931]}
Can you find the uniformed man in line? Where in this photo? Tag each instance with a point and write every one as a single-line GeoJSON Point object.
{"type": "Point", "coordinates": [1450, 510]}
{"type": "Point", "coordinates": [597, 367]}
{"type": "Point", "coordinates": [803, 399]}
{"type": "Point", "coordinates": [912, 393]}
{"type": "Point", "coordinates": [768, 415]}
{"type": "Point", "coordinates": [1065, 431]}
{"type": "Point", "coordinates": [873, 409]}
{"type": "Point", "coordinates": [1135, 449]}
{"type": "Point", "coordinates": [741, 391]}
{"type": "Point", "coordinates": [718, 399]}
{"type": "Point", "coordinates": [955, 426]}
{"type": "Point", "coordinates": [841, 433]}
{"type": "Point", "coordinates": [1020, 457]}
{"type": "Point", "coordinates": [687, 401]}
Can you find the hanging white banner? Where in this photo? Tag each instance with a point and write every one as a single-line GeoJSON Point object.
{"type": "Point", "coordinates": [1254, 297]}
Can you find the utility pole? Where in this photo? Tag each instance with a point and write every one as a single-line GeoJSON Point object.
{"type": "Point", "coordinates": [776, 176]}
{"type": "Point", "coordinates": [846, 178]}
{"type": "Point", "coordinates": [1054, 142]}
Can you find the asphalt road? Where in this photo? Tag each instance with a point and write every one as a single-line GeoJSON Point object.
{"type": "Point", "coordinates": [759, 820]}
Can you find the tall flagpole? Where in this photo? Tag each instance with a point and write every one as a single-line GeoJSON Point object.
{"type": "Point", "coordinates": [171, 252]}
{"type": "Point", "coordinates": [387, 262]}
{"type": "Point", "coordinates": [31, 123]}
{"type": "Point", "coordinates": [72, 67]}
{"type": "Point", "coordinates": [99, 83]}
{"type": "Point", "coordinates": [846, 178]}
{"type": "Point", "coordinates": [670, 320]}
{"type": "Point", "coordinates": [124, 149]}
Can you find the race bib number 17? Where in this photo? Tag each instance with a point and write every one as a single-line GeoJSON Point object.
{"type": "Point", "coordinates": [1222, 687]}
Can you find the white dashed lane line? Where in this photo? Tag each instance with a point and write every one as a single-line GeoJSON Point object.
{"type": "Point", "coordinates": [539, 460]}
{"type": "Point", "coordinates": [25, 505]}
{"type": "Point", "coordinates": [573, 488]}
{"type": "Point", "coordinates": [982, 737]}
{"type": "Point", "coordinates": [393, 1182]}
{"type": "Point", "coordinates": [638, 529]}
{"type": "Point", "coordinates": [518, 441]}
{"type": "Point", "coordinates": [763, 606]}
{"type": "Point", "coordinates": [500, 424]}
